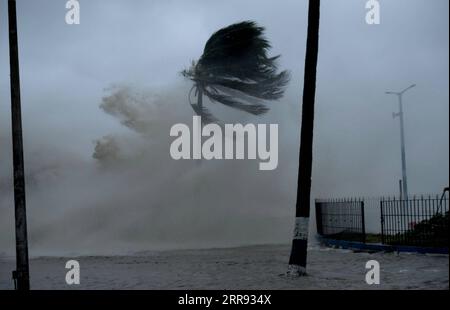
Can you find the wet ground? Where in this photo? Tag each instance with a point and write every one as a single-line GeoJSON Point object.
{"type": "Point", "coordinates": [253, 267]}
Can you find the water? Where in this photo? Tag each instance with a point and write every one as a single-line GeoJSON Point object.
{"type": "Point", "coordinates": [253, 267]}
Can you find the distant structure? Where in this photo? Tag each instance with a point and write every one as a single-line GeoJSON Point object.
{"type": "Point", "coordinates": [402, 137]}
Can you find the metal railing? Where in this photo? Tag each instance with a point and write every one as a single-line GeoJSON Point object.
{"type": "Point", "coordinates": [341, 219]}
{"type": "Point", "coordinates": [418, 221]}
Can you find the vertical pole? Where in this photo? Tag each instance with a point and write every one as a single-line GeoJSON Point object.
{"type": "Point", "coordinates": [382, 222]}
{"type": "Point", "coordinates": [363, 223]}
{"type": "Point", "coordinates": [400, 186]}
{"type": "Point", "coordinates": [297, 260]}
{"type": "Point", "coordinates": [22, 269]}
{"type": "Point", "coordinates": [402, 136]}
{"type": "Point", "coordinates": [319, 218]}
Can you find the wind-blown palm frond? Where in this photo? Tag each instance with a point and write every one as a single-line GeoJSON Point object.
{"type": "Point", "coordinates": [235, 67]}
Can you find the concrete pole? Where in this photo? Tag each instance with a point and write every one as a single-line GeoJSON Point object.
{"type": "Point", "coordinates": [402, 138]}
{"type": "Point", "coordinates": [297, 260]}
{"type": "Point", "coordinates": [21, 275]}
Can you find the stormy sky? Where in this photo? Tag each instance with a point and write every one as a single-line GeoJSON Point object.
{"type": "Point", "coordinates": [129, 54]}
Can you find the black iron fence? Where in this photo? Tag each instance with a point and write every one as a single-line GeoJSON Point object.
{"type": "Point", "coordinates": [341, 219]}
{"type": "Point", "coordinates": [418, 221]}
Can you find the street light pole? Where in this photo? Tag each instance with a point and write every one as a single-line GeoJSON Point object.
{"type": "Point", "coordinates": [21, 274]}
{"type": "Point", "coordinates": [299, 251]}
{"type": "Point", "coordinates": [402, 136]}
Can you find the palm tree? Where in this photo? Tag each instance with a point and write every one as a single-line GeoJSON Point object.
{"type": "Point", "coordinates": [235, 70]}
{"type": "Point", "coordinates": [297, 261]}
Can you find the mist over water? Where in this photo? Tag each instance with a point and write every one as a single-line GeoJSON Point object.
{"type": "Point", "coordinates": [99, 100]}
{"type": "Point", "coordinates": [130, 195]}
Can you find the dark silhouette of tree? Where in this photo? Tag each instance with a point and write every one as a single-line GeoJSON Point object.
{"type": "Point", "coordinates": [235, 70]}
{"type": "Point", "coordinates": [297, 261]}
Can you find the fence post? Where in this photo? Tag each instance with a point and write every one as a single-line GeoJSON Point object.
{"type": "Point", "coordinates": [382, 222]}
{"type": "Point", "coordinates": [363, 223]}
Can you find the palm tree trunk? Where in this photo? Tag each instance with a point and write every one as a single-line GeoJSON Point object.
{"type": "Point", "coordinates": [297, 261]}
{"type": "Point", "coordinates": [200, 107]}
{"type": "Point", "coordinates": [200, 98]}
